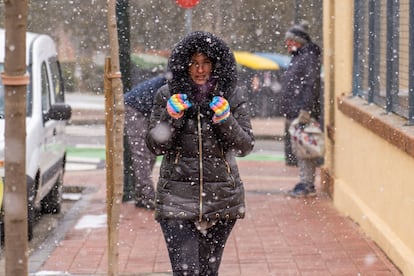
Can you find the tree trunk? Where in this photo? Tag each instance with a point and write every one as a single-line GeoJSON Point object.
{"type": "Point", "coordinates": [15, 82]}
{"type": "Point", "coordinates": [115, 131]}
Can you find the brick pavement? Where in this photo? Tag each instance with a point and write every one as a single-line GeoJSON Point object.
{"type": "Point", "coordinates": [279, 236]}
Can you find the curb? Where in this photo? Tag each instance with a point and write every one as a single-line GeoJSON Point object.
{"type": "Point", "coordinates": [87, 117]}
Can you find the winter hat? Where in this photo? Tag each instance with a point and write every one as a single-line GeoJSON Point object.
{"type": "Point", "coordinates": [299, 33]}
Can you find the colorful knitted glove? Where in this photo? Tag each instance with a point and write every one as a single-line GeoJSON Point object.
{"type": "Point", "coordinates": [177, 104]}
{"type": "Point", "coordinates": [221, 109]}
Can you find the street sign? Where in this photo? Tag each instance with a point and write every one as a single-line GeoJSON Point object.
{"type": "Point", "coordinates": [187, 3]}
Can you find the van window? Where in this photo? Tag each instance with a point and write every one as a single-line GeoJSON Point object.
{"type": "Point", "coordinates": [45, 90]}
{"type": "Point", "coordinates": [57, 81]}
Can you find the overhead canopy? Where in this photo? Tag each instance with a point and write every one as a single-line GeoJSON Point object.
{"type": "Point", "coordinates": [255, 62]}
{"type": "Point", "coordinates": [282, 60]}
{"type": "Point", "coordinates": [148, 61]}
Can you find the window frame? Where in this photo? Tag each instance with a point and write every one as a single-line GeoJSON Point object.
{"type": "Point", "coordinates": [370, 55]}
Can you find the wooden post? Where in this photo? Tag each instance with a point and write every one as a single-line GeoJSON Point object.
{"type": "Point", "coordinates": [115, 146]}
{"type": "Point", "coordinates": [15, 81]}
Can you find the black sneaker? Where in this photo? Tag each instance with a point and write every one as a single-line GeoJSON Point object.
{"type": "Point", "coordinates": [291, 164]}
{"type": "Point", "coordinates": [302, 190]}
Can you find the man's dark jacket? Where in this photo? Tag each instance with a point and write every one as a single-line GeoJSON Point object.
{"type": "Point", "coordinates": [301, 84]}
{"type": "Point", "coordinates": [142, 95]}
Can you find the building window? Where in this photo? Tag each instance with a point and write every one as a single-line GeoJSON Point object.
{"type": "Point", "coordinates": [383, 71]}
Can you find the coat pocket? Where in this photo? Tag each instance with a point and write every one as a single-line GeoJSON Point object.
{"type": "Point", "coordinates": [177, 199]}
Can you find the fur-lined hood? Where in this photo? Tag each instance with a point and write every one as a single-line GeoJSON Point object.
{"type": "Point", "coordinates": [224, 64]}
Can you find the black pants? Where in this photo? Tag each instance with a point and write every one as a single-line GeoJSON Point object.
{"type": "Point", "coordinates": [193, 252]}
{"type": "Point", "coordinates": [290, 157]}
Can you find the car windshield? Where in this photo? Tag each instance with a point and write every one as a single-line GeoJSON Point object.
{"type": "Point", "coordinates": [2, 90]}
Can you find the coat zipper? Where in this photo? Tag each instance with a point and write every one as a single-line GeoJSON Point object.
{"type": "Point", "coordinates": [200, 149]}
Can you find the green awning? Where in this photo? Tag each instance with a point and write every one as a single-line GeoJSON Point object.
{"type": "Point", "coordinates": [149, 61]}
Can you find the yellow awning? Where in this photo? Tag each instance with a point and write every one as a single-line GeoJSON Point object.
{"type": "Point", "coordinates": [255, 62]}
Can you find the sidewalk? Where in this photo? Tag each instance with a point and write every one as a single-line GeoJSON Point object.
{"type": "Point", "coordinates": [279, 236]}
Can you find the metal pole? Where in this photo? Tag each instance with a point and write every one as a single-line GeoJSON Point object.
{"type": "Point", "coordinates": [297, 6]}
{"type": "Point", "coordinates": [188, 20]}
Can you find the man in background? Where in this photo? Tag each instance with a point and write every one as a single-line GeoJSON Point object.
{"type": "Point", "coordinates": [301, 87]}
{"type": "Point", "coordinates": [138, 106]}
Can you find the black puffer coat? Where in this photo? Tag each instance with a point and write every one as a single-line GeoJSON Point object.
{"type": "Point", "coordinates": [199, 178]}
{"type": "Point", "coordinates": [301, 84]}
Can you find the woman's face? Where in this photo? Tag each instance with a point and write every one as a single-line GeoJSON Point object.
{"type": "Point", "coordinates": [200, 68]}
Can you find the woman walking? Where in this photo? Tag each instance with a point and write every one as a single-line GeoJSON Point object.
{"type": "Point", "coordinates": [200, 124]}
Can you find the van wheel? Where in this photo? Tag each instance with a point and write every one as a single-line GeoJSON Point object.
{"type": "Point", "coordinates": [31, 213]}
{"type": "Point", "coordinates": [51, 204]}
{"type": "Point", "coordinates": [31, 218]}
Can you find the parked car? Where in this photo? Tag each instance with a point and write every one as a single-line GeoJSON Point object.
{"type": "Point", "coordinates": [46, 117]}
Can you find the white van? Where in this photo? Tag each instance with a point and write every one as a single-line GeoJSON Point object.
{"type": "Point", "coordinates": [47, 115]}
